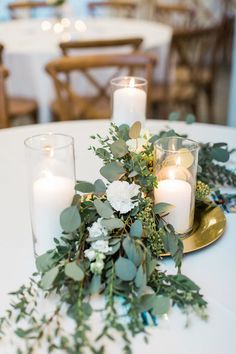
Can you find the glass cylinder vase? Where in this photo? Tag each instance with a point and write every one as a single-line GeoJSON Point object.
{"type": "Point", "coordinates": [176, 161]}
{"type": "Point", "coordinates": [129, 100]}
{"type": "Point", "coordinates": [51, 172]}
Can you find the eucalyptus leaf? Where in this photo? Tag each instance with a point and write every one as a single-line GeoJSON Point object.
{"type": "Point", "coordinates": [100, 186]}
{"type": "Point", "coordinates": [170, 242]}
{"type": "Point", "coordinates": [133, 251]}
{"type": "Point", "coordinates": [133, 174]}
{"type": "Point", "coordinates": [174, 116]}
{"type": "Point", "coordinates": [113, 223]}
{"type": "Point", "coordinates": [95, 284]}
{"type": "Point", "coordinates": [162, 208]}
{"type": "Point", "coordinates": [73, 271]}
{"type": "Point", "coordinates": [161, 305]}
{"type": "Point", "coordinates": [49, 277]}
{"type": "Point", "coordinates": [119, 148]}
{"type": "Point", "coordinates": [190, 118]}
{"type": "Point", "coordinates": [112, 171]}
{"type": "Point", "coordinates": [103, 154]}
{"type": "Point", "coordinates": [84, 187]}
{"type": "Point", "coordinates": [45, 262]}
{"type": "Point", "coordinates": [219, 154]}
{"type": "Point", "coordinates": [147, 302]}
{"type": "Point", "coordinates": [153, 139]}
{"type": "Point", "coordinates": [140, 277]}
{"type": "Point", "coordinates": [70, 219]}
{"type": "Point", "coordinates": [124, 131]}
{"type": "Point", "coordinates": [125, 269]}
{"type": "Point", "coordinates": [136, 229]}
{"type": "Point", "coordinates": [104, 210]}
{"type": "Point", "coordinates": [134, 132]}
{"type": "Point", "coordinates": [115, 248]}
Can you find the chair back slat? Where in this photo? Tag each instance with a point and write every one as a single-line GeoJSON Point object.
{"type": "Point", "coordinates": [15, 7]}
{"type": "Point", "coordinates": [178, 16]}
{"type": "Point", "coordinates": [117, 8]}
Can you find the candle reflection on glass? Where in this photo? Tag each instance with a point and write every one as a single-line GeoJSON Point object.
{"type": "Point", "coordinates": [176, 166]}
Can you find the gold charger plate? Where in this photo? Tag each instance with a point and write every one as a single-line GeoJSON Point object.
{"type": "Point", "coordinates": [209, 226]}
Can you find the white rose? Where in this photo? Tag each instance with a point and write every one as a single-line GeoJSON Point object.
{"type": "Point", "coordinates": [136, 145]}
{"type": "Point", "coordinates": [120, 194]}
{"type": "Point", "coordinates": [101, 246]}
{"type": "Point", "coordinates": [90, 254]}
{"type": "Point", "coordinates": [97, 230]}
{"type": "Point", "coordinates": [97, 267]}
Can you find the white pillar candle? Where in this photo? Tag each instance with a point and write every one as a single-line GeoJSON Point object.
{"type": "Point", "coordinates": [178, 193]}
{"type": "Point", "coordinates": [129, 105]}
{"type": "Point", "coordinates": [51, 194]}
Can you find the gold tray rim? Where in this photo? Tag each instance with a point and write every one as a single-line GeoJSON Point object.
{"type": "Point", "coordinates": [210, 224]}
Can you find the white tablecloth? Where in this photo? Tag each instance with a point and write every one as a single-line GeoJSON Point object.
{"type": "Point", "coordinates": [212, 268]}
{"type": "Point", "coordinates": [28, 48]}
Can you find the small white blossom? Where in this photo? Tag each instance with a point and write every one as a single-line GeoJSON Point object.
{"type": "Point", "coordinates": [90, 254]}
{"type": "Point", "coordinates": [136, 145]}
{"type": "Point", "coordinates": [101, 246]}
{"type": "Point", "coordinates": [97, 230]}
{"type": "Point", "coordinates": [120, 194]}
{"type": "Point", "coordinates": [97, 267]}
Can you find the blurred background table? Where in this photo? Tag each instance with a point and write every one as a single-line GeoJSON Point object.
{"type": "Point", "coordinates": [31, 43]}
{"type": "Point", "coordinates": [213, 268]}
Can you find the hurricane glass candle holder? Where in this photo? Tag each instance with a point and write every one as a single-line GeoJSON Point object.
{"type": "Point", "coordinates": [176, 161]}
{"type": "Point", "coordinates": [51, 172]}
{"type": "Point", "coordinates": [129, 99]}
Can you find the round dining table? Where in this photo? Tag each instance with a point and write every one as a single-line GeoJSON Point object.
{"type": "Point", "coordinates": [213, 268]}
{"type": "Point", "coordinates": [31, 43]}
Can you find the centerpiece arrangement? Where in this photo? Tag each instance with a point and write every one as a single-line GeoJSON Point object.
{"type": "Point", "coordinates": [114, 236]}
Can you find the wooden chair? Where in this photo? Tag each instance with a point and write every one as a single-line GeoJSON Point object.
{"type": "Point", "coordinates": [15, 7]}
{"type": "Point", "coordinates": [115, 8]}
{"type": "Point", "coordinates": [3, 99]}
{"type": "Point", "coordinates": [1, 52]}
{"type": "Point", "coordinates": [69, 105]}
{"type": "Point", "coordinates": [178, 16]}
{"type": "Point", "coordinates": [16, 106]}
{"type": "Point", "coordinates": [193, 53]}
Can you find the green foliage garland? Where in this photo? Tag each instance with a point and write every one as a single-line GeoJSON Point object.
{"type": "Point", "coordinates": [111, 248]}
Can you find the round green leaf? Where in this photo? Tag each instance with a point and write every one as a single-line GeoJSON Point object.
{"type": "Point", "coordinates": [114, 223]}
{"type": "Point", "coordinates": [125, 269]}
{"type": "Point", "coordinates": [100, 186]}
{"type": "Point", "coordinates": [220, 154]}
{"type": "Point", "coordinates": [70, 219]}
{"type": "Point", "coordinates": [136, 229]}
{"type": "Point", "coordinates": [161, 305]}
{"type": "Point", "coordinates": [133, 251]}
{"type": "Point", "coordinates": [112, 171]}
{"type": "Point", "coordinates": [73, 271]}
{"type": "Point", "coordinates": [45, 261]}
{"type": "Point", "coordinates": [84, 187]}
{"type": "Point", "coordinates": [162, 208]}
{"type": "Point", "coordinates": [103, 209]}
{"type": "Point", "coordinates": [49, 277]}
{"type": "Point", "coordinates": [119, 148]}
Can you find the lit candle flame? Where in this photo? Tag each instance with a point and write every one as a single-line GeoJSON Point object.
{"type": "Point", "coordinates": [48, 150]}
{"type": "Point", "coordinates": [132, 82]}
